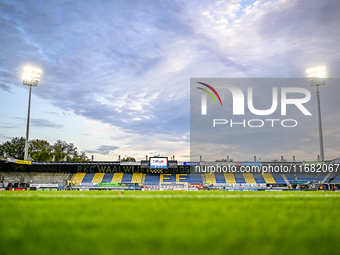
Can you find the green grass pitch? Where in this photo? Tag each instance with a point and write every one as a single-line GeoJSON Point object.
{"type": "Point", "coordinates": [210, 222]}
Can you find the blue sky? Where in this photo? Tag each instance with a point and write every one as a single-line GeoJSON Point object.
{"type": "Point", "coordinates": [116, 74]}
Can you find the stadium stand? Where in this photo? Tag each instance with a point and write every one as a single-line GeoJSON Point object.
{"type": "Point", "coordinates": [249, 178]}
{"type": "Point", "coordinates": [210, 178]}
{"type": "Point", "coordinates": [259, 178]}
{"type": "Point", "coordinates": [117, 178]}
{"type": "Point", "coordinates": [167, 178]}
{"type": "Point", "coordinates": [239, 178]}
{"type": "Point", "coordinates": [278, 179]}
{"type": "Point", "coordinates": [182, 178]}
{"type": "Point", "coordinates": [336, 180]}
{"type": "Point", "coordinates": [88, 178]}
{"type": "Point", "coordinates": [126, 178]}
{"type": "Point", "coordinates": [78, 178]}
{"type": "Point", "coordinates": [151, 179]}
{"type": "Point", "coordinates": [310, 177]}
{"type": "Point", "coordinates": [195, 178]}
{"type": "Point", "coordinates": [37, 177]}
{"type": "Point", "coordinates": [327, 177]}
{"type": "Point", "coordinates": [268, 178]}
{"type": "Point", "coordinates": [98, 177]}
{"type": "Point", "coordinates": [220, 178]}
{"type": "Point", "coordinates": [107, 178]}
{"type": "Point", "coordinates": [137, 178]}
{"type": "Point", "coordinates": [229, 178]}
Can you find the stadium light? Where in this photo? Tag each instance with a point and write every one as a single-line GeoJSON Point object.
{"type": "Point", "coordinates": [317, 78]}
{"type": "Point", "coordinates": [31, 77]}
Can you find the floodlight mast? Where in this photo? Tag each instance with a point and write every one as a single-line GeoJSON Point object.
{"type": "Point", "coordinates": [30, 78]}
{"type": "Point", "coordinates": [314, 74]}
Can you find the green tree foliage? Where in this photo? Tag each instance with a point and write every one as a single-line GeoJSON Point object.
{"type": "Point", "coordinates": [128, 159]}
{"type": "Point", "coordinates": [14, 148]}
{"type": "Point", "coordinates": [62, 149]}
{"type": "Point", "coordinates": [41, 150]}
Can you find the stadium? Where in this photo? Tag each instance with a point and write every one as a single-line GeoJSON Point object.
{"type": "Point", "coordinates": [214, 83]}
{"type": "Point", "coordinates": [169, 175]}
{"type": "Point", "coordinates": [131, 207]}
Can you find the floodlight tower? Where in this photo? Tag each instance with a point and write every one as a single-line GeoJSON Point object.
{"type": "Point", "coordinates": [317, 78]}
{"type": "Point", "coordinates": [30, 78]}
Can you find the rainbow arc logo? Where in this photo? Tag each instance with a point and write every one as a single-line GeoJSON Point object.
{"type": "Point", "coordinates": [209, 93]}
{"type": "Point", "coordinates": [204, 97]}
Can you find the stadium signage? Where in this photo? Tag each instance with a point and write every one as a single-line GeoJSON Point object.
{"type": "Point", "coordinates": [191, 163]}
{"type": "Point", "coordinates": [172, 164]}
{"type": "Point", "coordinates": [221, 163]}
{"type": "Point", "coordinates": [159, 162]}
{"type": "Point", "coordinates": [45, 185]}
{"type": "Point", "coordinates": [88, 167]}
{"type": "Point", "coordinates": [145, 164]}
{"type": "Point", "coordinates": [129, 163]}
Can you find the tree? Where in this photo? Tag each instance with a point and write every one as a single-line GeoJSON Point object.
{"type": "Point", "coordinates": [128, 159]}
{"type": "Point", "coordinates": [62, 149]}
{"type": "Point", "coordinates": [40, 150]}
{"type": "Point", "coordinates": [14, 148]}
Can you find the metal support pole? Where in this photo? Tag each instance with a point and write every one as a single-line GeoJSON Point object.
{"type": "Point", "coordinates": [320, 124]}
{"type": "Point", "coordinates": [28, 124]}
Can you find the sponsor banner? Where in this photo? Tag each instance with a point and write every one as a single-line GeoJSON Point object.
{"type": "Point", "coordinates": [47, 189]}
{"type": "Point", "coordinates": [34, 185]}
{"type": "Point", "coordinates": [302, 182]}
{"type": "Point", "coordinates": [251, 163]}
{"type": "Point", "coordinates": [69, 163]}
{"type": "Point", "coordinates": [240, 189]}
{"type": "Point", "coordinates": [24, 162]}
{"type": "Point", "coordinates": [159, 162]}
{"type": "Point", "coordinates": [337, 161]}
{"type": "Point", "coordinates": [144, 164]}
{"type": "Point", "coordinates": [84, 189]}
{"type": "Point", "coordinates": [17, 189]}
{"type": "Point", "coordinates": [108, 184]}
{"type": "Point", "coordinates": [195, 185]}
{"type": "Point", "coordinates": [172, 164]}
{"type": "Point", "coordinates": [114, 163]}
{"type": "Point", "coordinates": [217, 184]}
{"type": "Point", "coordinates": [2, 189]}
{"type": "Point", "coordinates": [218, 163]}
{"type": "Point", "coordinates": [277, 185]}
{"type": "Point", "coordinates": [225, 163]}
{"type": "Point", "coordinates": [3, 159]}
{"type": "Point", "coordinates": [191, 163]}
{"type": "Point", "coordinates": [89, 167]}
{"type": "Point", "coordinates": [88, 184]}
{"type": "Point", "coordinates": [130, 163]}
{"type": "Point", "coordinates": [180, 163]}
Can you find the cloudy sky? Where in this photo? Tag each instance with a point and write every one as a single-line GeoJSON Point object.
{"type": "Point", "coordinates": [116, 74]}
